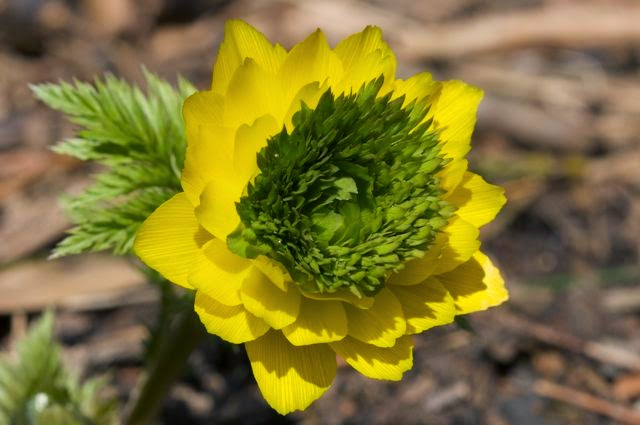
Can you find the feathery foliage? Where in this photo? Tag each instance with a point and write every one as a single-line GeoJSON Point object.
{"type": "Point", "coordinates": [37, 389]}
{"type": "Point", "coordinates": [140, 140]}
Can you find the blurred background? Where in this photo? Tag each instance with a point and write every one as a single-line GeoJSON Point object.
{"type": "Point", "coordinates": [559, 128]}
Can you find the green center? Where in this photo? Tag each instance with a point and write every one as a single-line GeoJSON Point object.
{"type": "Point", "coordinates": [349, 196]}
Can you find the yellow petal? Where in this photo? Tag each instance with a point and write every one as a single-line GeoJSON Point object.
{"type": "Point", "coordinates": [251, 94]}
{"type": "Point", "coordinates": [309, 61]}
{"type": "Point", "coordinates": [231, 323]}
{"type": "Point", "coordinates": [454, 115]}
{"type": "Point", "coordinates": [356, 47]}
{"type": "Point", "coordinates": [370, 68]}
{"type": "Point", "coordinates": [264, 299]}
{"type": "Point", "coordinates": [419, 269]}
{"type": "Point", "coordinates": [451, 175]}
{"type": "Point", "coordinates": [417, 87]}
{"type": "Point", "coordinates": [309, 94]}
{"type": "Point", "coordinates": [273, 270]}
{"type": "Point", "coordinates": [379, 325]}
{"type": "Point", "coordinates": [425, 305]}
{"type": "Point", "coordinates": [377, 362]}
{"type": "Point", "coordinates": [343, 295]}
{"type": "Point", "coordinates": [475, 285]}
{"type": "Point", "coordinates": [318, 322]}
{"type": "Point", "coordinates": [477, 201]}
{"type": "Point", "coordinates": [224, 156]}
{"type": "Point", "coordinates": [219, 273]}
{"type": "Point", "coordinates": [209, 157]}
{"type": "Point", "coordinates": [462, 242]}
{"type": "Point", "coordinates": [169, 240]}
{"type": "Point", "coordinates": [249, 141]}
{"type": "Point", "coordinates": [217, 210]}
{"type": "Point", "coordinates": [453, 245]}
{"type": "Point", "coordinates": [290, 378]}
{"type": "Point", "coordinates": [205, 107]}
{"type": "Point", "coordinates": [241, 41]}
{"type": "Point", "coordinates": [365, 56]}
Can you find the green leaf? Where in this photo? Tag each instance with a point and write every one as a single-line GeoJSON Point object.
{"type": "Point", "coordinates": [37, 389]}
{"type": "Point", "coordinates": [139, 140]}
{"type": "Point", "coordinates": [346, 187]}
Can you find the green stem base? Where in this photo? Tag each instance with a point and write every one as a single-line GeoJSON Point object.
{"type": "Point", "coordinates": [174, 349]}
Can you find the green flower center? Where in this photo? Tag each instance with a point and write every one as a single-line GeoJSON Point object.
{"type": "Point", "coordinates": [349, 196]}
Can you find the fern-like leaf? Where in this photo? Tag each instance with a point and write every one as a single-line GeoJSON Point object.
{"type": "Point", "coordinates": [140, 140]}
{"type": "Point", "coordinates": [37, 389]}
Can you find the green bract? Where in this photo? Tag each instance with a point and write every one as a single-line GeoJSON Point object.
{"type": "Point", "coordinates": [348, 196]}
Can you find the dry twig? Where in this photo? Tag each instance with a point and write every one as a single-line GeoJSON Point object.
{"type": "Point", "coordinates": [586, 401]}
{"type": "Point", "coordinates": [602, 352]}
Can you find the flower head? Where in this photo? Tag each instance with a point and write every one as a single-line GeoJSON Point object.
{"type": "Point", "coordinates": [327, 210]}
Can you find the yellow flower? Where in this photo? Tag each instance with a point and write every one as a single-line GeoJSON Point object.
{"type": "Point", "coordinates": [327, 210]}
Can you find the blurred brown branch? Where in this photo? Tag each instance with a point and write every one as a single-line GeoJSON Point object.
{"type": "Point", "coordinates": [586, 401]}
{"type": "Point", "coordinates": [602, 352]}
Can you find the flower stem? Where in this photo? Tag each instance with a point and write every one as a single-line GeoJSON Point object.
{"type": "Point", "coordinates": [173, 350]}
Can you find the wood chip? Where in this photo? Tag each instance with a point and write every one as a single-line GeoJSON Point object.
{"type": "Point", "coordinates": [80, 283]}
